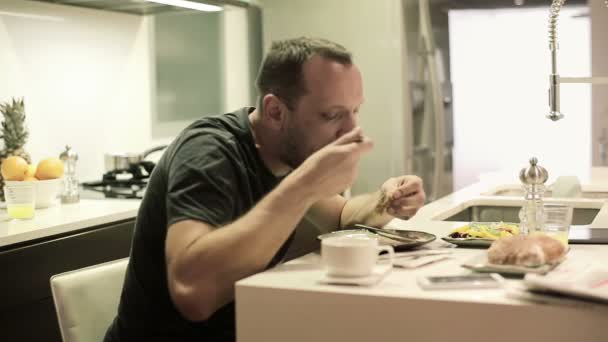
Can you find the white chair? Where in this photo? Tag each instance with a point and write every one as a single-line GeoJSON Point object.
{"type": "Point", "coordinates": [86, 300]}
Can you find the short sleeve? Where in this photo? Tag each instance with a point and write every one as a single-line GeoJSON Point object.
{"type": "Point", "coordinates": [202, 182]}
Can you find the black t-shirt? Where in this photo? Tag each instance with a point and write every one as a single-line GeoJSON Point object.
{"type": "Point", "coordinates": [212, 173]}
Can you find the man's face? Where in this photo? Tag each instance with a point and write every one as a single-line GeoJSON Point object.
{"type": "Point", "coordinates": [327, 110]}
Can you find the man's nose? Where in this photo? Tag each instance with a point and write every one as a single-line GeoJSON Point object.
{"type": "Point", "coordinates": [348, 124]}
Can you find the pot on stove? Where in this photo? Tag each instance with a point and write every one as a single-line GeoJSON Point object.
{"type": "Point", "coordinates": [125, 161]}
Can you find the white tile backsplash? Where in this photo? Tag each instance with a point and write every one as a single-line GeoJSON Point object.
{"type": "Point", "coordinates": [84, 75]}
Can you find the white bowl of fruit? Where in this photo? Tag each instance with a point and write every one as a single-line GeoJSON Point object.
{"type": "Point", "coordinates": [46, 177]}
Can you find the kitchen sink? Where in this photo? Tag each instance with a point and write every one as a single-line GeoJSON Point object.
{"type": "Point", "coordinates": [491, 213]}
{"type": "Point", "coordinates": [487, 209]}
{"type": "Point", "coordinates": [517, 191]}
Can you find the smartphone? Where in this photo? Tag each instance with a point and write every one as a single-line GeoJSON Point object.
{"type": "Point", "coordinates": [465, 281]}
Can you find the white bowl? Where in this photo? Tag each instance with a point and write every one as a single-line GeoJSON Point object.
{"type": "Point", "coordinates": [47, 191]}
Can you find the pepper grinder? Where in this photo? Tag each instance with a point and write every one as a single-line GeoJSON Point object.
{"type": "Point", "coordinates": [531, 214]}
{"type": "Point", "coordinates": [70, 193]}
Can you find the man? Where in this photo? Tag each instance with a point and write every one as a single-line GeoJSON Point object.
{"type": "Point", "coordinates": [225, 198]}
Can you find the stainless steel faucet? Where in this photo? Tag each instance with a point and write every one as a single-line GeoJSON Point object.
{"type": "Point", "coordinates": [554, 79]}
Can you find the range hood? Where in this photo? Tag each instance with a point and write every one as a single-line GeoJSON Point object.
{"type": "Point", "coordinates": [141, 7]}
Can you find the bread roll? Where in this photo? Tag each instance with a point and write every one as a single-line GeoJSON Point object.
{"type": "Point", "coordinates": [530, 251]}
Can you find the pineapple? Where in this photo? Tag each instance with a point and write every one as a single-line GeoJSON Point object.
{"type": "Point", "coordinates": [14, 133]}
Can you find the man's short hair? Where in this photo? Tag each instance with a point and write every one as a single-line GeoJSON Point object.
{"type": "Point", "coordinates": [281, 70]}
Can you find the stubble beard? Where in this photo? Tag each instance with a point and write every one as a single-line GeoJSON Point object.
{"type": "Point", "coordinates": [291, 155]}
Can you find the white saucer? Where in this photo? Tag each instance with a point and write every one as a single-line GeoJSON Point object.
{"type": "Point", "coordinates": [377, 275]}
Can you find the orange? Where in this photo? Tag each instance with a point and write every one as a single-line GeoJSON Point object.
{"type": "Point", "coordinates": [14, 168]}
{"type": "Point", "coordinates": [31, 171]}
{"type": "Point", "coordinates": [49, 168]}
{"type": "Point", "coordinates": [30, 178]}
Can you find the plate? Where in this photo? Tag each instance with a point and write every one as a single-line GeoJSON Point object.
{"type": "Point", "coordinates": [408, 239]}
{"type": "Point", "coordinates": [480, 232]}
{"type": "Point", "coordinates": [469, 242]}
{"type": "Point", "coordinates": [480, 264]}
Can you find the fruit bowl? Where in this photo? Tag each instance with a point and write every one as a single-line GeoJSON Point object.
{"type": "Point", "coordinates": [47, 191]}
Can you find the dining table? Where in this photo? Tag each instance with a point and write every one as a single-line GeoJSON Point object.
{"type": "Point", "coordinates": [294, 302]}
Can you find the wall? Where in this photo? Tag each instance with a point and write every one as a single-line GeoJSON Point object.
{"type": "Point", "coordinates": [88, 77]}
{"type": "Point", "coordinates": [201, 65]}
{"type": "Point", "coordinates": [500, 73]}
{"type": "Point", "coordinates": [237, 77]}
{"type": "Point", "coordinates": [374, 31]}
{"type": "Point", "coordinates": [599, 67]}
{"type": "Point", "coordinates": [188, 58]}
{"type": "Point", "coordinates": [84, 75]}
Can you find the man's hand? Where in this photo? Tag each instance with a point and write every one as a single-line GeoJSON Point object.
{"type": "Point", "coordinates": [401, 196]}
{"type": "Point", "coordinates": [333, 168]}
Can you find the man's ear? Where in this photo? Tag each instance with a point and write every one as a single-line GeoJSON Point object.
{"type": "Point", "coordinates": [274, 110]}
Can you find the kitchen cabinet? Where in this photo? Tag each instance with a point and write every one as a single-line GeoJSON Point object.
{"type": "Point", "coordinates": [202, 63]}
{"type": "Point", "coordinates": [27, 311]}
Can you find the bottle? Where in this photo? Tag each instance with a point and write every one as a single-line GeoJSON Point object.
{"type": "Point", "coordinates": [531, 214]}
{"type": "Point", "coordinates": [70, 192]}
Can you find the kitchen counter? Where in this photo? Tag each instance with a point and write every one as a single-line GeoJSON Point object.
{"type": "Point", "coordinates": [58, 239]}
{"type": "Point", "coordinates": [65, 218]}
{"type": "Point", "coordinates": [287, 303]}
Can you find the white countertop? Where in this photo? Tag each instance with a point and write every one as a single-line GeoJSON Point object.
{"type": "Point", "coordinates": [297, 307]}
{"type": "Point", "coordinates": [65, 218]}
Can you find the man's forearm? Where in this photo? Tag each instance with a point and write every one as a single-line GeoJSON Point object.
{"type": "Point", "coordinates": [368, 209]}
{"type": "Point", "coordinates": [208, 268]}
{"type": "Point", "coordinates": [259, 234]}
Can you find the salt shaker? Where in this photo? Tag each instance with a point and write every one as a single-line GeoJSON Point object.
{"type": "Point", "coordinates": [533, 178]}
{"type": "Point", "coordinates": [70, 193]}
